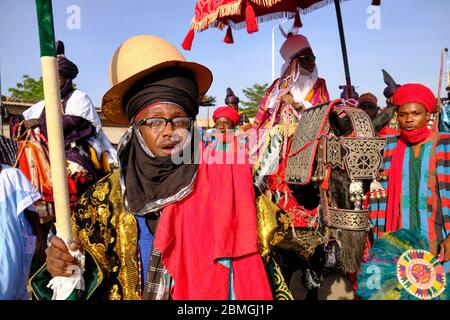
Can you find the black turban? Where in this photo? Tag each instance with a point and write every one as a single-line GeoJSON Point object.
{"type": "Point", "coordinates": [177, 85]}
{"type": "Point", "coordinates": [67, 68]}
{"type": "Point", "coordinates": [231, 98]}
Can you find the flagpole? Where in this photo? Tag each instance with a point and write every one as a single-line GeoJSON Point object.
{"type": "Point", "coordinates": [54, 118]}
{"type": "Point", "coordinates": [448, 71]}
{"type": "Point", "coordinates": [348, 80]}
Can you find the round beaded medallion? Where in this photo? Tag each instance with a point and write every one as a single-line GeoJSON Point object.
{"type": "Point", "coordinates": [421, 274]}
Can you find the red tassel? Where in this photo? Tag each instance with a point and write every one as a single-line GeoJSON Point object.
{"type": "Point", "coordinates": [297, 21]}
{"type": "Point", "coordinates": [376, 2]}
{"type": "Point", "coordinates": [325, 184]}
{"type": "Point", "coordinates": [228, 36]}
{"type": "Point", "coordinates": [187, 43]}
{"type": "Point", "coordinates": [250, 18]}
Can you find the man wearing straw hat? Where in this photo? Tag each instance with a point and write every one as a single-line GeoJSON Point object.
{"type": "Point", "coordinates": [161, 228]}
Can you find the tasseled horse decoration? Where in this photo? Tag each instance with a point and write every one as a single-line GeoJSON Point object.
{"type": "Point", "coordinates": [323, 158]}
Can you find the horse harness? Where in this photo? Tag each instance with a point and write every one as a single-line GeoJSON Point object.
{"type": "Point", "coordinates": [320, 151]}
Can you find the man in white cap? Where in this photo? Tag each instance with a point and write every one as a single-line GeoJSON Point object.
{"type": "Point", "coordinates": [298, 88]}
{"type": "Point", "coordinates": [299, 83]}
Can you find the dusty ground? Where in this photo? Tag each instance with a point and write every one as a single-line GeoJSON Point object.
{"type": "Point", "coordinates": [334, 287]}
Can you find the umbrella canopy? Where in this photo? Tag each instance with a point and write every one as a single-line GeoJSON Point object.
{"type": "Point", "coordinates": [238, 14]}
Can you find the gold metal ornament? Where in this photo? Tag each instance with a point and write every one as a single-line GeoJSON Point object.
{"type": "Point", "coordinates": [266, 213]}
{"type": "Point", "coordinates": [353, 220]}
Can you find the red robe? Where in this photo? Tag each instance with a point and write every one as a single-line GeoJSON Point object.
{"type": "Point", "coordinates": [217, 220]}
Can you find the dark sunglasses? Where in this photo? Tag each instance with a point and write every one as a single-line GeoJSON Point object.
{"type": "Point", "coordinates": [307, 58]}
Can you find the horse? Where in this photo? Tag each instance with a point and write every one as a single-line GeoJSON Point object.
{"type": "Point", "coordinates": [8, 157]}
{"type": "Point", "coordinates": [312, 248]}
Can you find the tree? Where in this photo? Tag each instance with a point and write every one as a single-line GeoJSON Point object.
{"type": "Point", "coordinates": [208, 101]}
{"type": "Point", "coordinates": [29, 90]}
{"type": "Point", "coordinates": [254, 95]}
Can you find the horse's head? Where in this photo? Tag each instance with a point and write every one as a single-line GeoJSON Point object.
{"type": "Point", "coordinates": [342, 126]}
{"type": "Point", "coordinates": [339, 152]}
{"type": "Point", "coordinates": [360, 153]}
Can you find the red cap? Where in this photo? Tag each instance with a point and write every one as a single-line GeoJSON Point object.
{"type": "Point", "coordinates": [227, 112]}
{"type": "Point", "coordinates": [414, 92]}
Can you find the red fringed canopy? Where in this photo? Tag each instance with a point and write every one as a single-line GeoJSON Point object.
{"type": "Point", "coordinates": [238, 14]}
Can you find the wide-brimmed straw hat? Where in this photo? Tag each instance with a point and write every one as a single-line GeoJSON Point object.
{"type": "Point", "coordinates": [137, 57]}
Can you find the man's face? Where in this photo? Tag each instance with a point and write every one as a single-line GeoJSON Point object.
{"type": "Point", "coordinates": [223, 124]}
{"type": "Point", "coordinates": [306, 59]}
{"type": "Point", "coordinates": [412, 116]}
{"type": "Point", "coordinates": [370, 108]}
{"type": "Point", "coordinates": [62, 81]}
{"type": "Point", "coordinates": [167, 139]}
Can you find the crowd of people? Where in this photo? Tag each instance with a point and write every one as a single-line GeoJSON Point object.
{"type": "Point", "coordinates": [173, 214]}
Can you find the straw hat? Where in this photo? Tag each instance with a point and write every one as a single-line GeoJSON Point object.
{"type": "Point", "coordinates": [137, 57]}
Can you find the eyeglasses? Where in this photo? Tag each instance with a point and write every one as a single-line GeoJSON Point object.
{"type": "Point", "coordinates": [158, 124]}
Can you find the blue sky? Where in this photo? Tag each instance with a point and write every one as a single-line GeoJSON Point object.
{"type": "Point", "coordinates": [408, 42]}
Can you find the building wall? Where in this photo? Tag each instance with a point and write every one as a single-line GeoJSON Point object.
{"type": "Point", "coordinates": [114, 133]}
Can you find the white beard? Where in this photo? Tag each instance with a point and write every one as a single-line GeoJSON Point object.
{"type": "Point", "coordinates": [303, 85]}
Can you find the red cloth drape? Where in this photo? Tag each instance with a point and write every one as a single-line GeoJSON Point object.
{"type": "Point", "coordinates": [217, 220]}
{"type": "Point", "coordinates": [396, 173]}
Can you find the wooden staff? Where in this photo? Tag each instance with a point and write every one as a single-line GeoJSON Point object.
{"type": "Point", "coordinates": [53, 114]}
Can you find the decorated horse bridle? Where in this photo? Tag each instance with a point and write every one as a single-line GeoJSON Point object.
{"type": "Point", "coordinates": [359, 155]}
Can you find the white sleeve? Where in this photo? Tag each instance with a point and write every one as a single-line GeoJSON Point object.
{"type": "Point", "coordinates": [80, 105]}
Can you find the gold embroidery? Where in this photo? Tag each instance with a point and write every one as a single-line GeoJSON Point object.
{"type": "Point", "coordinates": [125, 245]}
{"type": "Point", "coordinates": [101, 190]}
{"type": "Point", "coordinates": [98, 250]}
{"type": "Point", "coordinates": [266, 212]}
{"type": "Point", "coordinates": [99, 276]}
{"type": "Point", "coordinates": [114, 293]}
{"type": "Point", "coordinates": [281, 288]}
{"type": "Point", "coordinates": [91, 213]}
{"type": "Point", "coordinates": [101, 224]}
{"type": "Point", "coordinates": [104, 213]}
{"type": "Point", "coordinates": [83, 199]}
